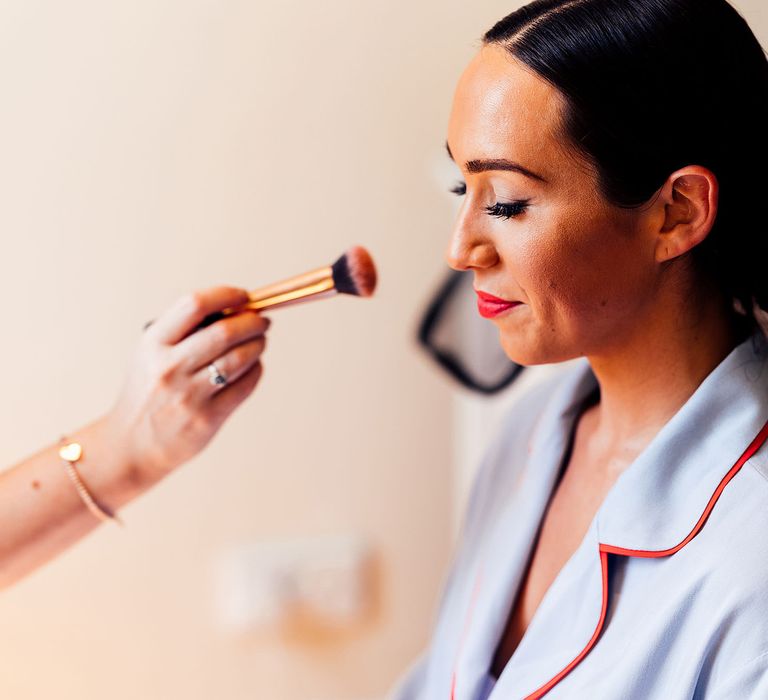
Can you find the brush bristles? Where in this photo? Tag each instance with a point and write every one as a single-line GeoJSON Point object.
{"type": "Point", "coordinates": [355, 273]}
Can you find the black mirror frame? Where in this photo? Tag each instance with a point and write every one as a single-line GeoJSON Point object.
{"type": "Point", "coordinates": [447, 360]}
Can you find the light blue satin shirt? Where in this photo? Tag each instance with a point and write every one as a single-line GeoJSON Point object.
{"type": "Point", "coordinates": [667, 594]}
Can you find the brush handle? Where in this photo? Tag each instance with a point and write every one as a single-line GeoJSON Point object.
{"type": "Point", "coordinates": [207, 321]}
{"type": "Point", "coordinates": [262, 303]}
{"type": "Point", "coordinates": [274, 296]}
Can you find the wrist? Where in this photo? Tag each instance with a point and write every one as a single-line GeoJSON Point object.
{"type": "Point", "coordinates": [107, 465]}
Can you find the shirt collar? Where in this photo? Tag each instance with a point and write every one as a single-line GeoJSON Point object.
{"type": "Point", "coordinates": [657, 501]}
{"type": "Point", "coordinates": [653, 506]}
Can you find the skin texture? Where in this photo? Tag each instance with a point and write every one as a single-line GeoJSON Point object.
{"type": "Point", "coordinates": [610, 284]}
{"type": "Point", "coordinates": [165, 414]}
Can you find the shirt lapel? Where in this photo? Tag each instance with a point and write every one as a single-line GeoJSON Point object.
{"type": "Point", "coordinates": [660, 498]}
{"type": "Point", "coordinates": [507, 549]}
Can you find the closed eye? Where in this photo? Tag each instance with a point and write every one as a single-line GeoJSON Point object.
{"type": "Point", "coordinates": [501, 210]}
{"type": "Point", "coordinates": [507, 210]}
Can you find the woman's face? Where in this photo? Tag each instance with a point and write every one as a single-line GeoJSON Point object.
{"type": "Point", "coordinates": [582, 270]}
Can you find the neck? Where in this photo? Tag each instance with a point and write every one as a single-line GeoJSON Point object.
{"type": "Point", "coordinates": [646, 375]}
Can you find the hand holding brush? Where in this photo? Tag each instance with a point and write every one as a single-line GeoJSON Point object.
{"type": "Point", "coordinates": [353, 273]}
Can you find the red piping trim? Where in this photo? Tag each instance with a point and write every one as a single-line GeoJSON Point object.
{"type": "Point", "coordinates": [541, 692]}
{"type": "Point", "coordinates": [606, 549]}
{"type": "Point", "coordinates": [753, 447]}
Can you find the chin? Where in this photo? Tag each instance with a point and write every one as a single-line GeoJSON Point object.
{"type": "Point", "coordinates": [530, 351]}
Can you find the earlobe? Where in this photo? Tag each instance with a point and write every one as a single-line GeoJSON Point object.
{"type": "Point", "coordinates": [690, 200]}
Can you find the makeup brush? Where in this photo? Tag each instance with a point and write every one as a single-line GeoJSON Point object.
{"type": "Point", "coordinates": [353, 273]}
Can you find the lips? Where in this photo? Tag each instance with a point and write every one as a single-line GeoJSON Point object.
{"type": "Point", "coordinates": [490, 306]}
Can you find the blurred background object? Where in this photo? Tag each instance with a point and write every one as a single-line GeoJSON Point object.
{"type": "Point", "coordinates": [462, 342]}
{"type": "Point", "coordinates": [150, 148]}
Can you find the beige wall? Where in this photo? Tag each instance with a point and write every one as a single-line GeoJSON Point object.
{"type": "Point", "coordinates": [153, 147]}
{"type": "Point", "coordinates": [149, 148]}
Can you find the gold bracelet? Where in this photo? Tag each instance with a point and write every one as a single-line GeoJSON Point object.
{"type": "Point", "coordinates": [71, 453]}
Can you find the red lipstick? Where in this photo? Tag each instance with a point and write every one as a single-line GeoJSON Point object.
{"type": "Point", "coordinates": [490, 306]}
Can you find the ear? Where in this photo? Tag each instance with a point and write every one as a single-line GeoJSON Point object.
{"type": "Point", "coordinates": [687, 205]}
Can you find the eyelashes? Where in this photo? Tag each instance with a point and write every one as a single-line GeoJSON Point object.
{"type": "Point", "coordinates": [501, 210]}
{"type": "Point", "coordinates": [507, 210]}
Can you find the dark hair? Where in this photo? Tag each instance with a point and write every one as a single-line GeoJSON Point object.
{"type": "Point", "coordinates": [652, 86]}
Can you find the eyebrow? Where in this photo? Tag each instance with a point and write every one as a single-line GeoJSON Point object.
{"type": "Point", "coordinates": [481, 166]}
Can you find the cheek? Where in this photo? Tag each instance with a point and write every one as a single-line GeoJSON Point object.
{"type": "Point", "coordinates": [579, 268]}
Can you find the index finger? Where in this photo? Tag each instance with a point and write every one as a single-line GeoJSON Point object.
{"type": "Point", "coordinates": [188, 312]}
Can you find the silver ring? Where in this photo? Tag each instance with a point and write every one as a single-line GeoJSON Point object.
{"type": "Point", "coordinates": [216, 377]}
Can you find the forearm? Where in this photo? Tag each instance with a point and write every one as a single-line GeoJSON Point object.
{"type": "Point", "coordinates": [167, 411]}
{"type": "Point", "coordinates": [41, 512]}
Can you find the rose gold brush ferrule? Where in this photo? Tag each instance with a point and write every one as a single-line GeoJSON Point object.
{"type": "Point", "coordinates": [314, 284]}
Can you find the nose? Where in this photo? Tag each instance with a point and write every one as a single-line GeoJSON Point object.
{"type": "Point", "coordinates": [469, 250]}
